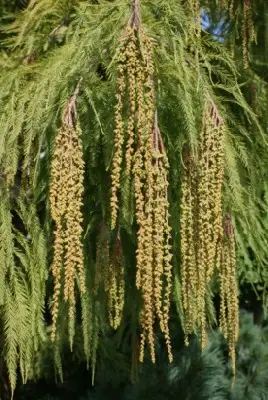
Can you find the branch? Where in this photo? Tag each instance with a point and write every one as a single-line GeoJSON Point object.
{"type": "Point", "coordinates": [214, 113]}
{"type": "Point", "coordinates": [62, 23]}
{"type": "Point", "coordinates": [135, 19]}
{"type": "Point", "coordinates": [229, 229]}
{"type": "Point", "coordinates": [70, 114]}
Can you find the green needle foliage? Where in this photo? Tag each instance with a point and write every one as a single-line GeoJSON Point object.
{"type": "Point", "coordinates": [47, 49]}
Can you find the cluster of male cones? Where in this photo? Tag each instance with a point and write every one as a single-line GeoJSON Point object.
{"type": "Point", "coordinates": [207, 238]}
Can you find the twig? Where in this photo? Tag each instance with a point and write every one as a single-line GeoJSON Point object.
{"type": "Point", "coordinates": [135, 19]}
{"type": "Point", "coordinates": [71, 110]}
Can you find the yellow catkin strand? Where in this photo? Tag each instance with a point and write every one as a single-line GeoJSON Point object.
{"type": "Point", "coordinates": [210, 201]}
{"type": "Point", "coordinates": [204, 224]}
{"type": "Point", "coordinates": [56, 273]}
{"type": "Point", "coordinates": [66, 194]}
{"type": "Point", "coordinates": [142, 338]}
{"type": "Point", "coordinates": [58, 206]}
{"type": "Point", "coordinates": [231, 8]}
{"type": "Point", "coordinates": [227, 5]}
{"type": "Point", "coordinates": [145, 125]}
{"type": "Point", "coordinates": [248, 32]}
{"type": "Point", "coordinates": [118, 136]}
{"type": "Point", "coordinates": [215, 240]}
{"type": "Point", "coordinates": [158, 240]}
{"type": "Point", "coordinates": [146, 249]}
{"type": "Point", "coordinates": [143, 194]}
{"type": "Point", "coordinates": [160, 258]}
{"type": "Point", "coordinates": [188, 247]}
{"type": "Point", "coordinates": [245, 35]}
{"type": "Point", "coordinates": [146, 164]}
{"type": "Point", "coordinates": [131, 56]}
{"type": "Point", "coordinates": [216, 131]}
{"type": "Point", "coordinates": [194, 8]}
{"type": "Point", "coordinates": [218, 149]}
{"type": "Point", "coordinates": [138, 169]}
{"type": "Point", "coordinates": [163, 204]}
{"type": "Point", "coordinates": [223, 284]}
{"type": "Point", "coordinates": [229, 312]}
{"type": "Point", "coordinates": [74, 260]}
{"type": "Point", "coordinates": [201, 220]}
{"type": "Point", "coordinates": [184, 243]}
{"type": "Point", "coordinates": [116, 282]}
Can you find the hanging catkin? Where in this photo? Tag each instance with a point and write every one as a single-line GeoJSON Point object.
{"type": "Point", "coordinates": [204, 247]}
{"type": "Point", "coordinates": [140, 151]}
{"type": "Point", "coordinates": [227, 5]}
{"type": "Point", "coordinates": [229, 311]}
{"type": "Point", "coordinates": [188, 235]}
{"type": "Point", "coordinates": [248, 32]}
{"type": "Point", "coordinates": [110, 271]}
{"type": "Point", "coordinates": [153, 253]}
{"type": "Point", "coordinates": [66, 200]}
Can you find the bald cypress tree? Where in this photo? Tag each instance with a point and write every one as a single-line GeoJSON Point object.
{"type": "Point", "coordinates": [133, 159]}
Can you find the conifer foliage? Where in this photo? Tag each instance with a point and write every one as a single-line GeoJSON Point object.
{"type": "Point", "coordinates": [127, 175]}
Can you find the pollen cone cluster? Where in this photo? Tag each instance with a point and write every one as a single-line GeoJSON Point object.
{"type": "Point", "coordinates": [195, 9]}
{"type": "Point", "coordinates": [204, 247]}
{"type": "Point", "coordinates": [154, 270]}
{"type": "Point", "coordinates": [248, 32]}
{"type": "Point", "coordinates": [229, 311]}
{"type": "Point", "coordinates": [227, 5]}
{"type": "Point", "coordinates": [66, 194]}
{"type": "Point", "coordinates": [110, 270]}
{"type": "Point", "coordinates": [140, 151]}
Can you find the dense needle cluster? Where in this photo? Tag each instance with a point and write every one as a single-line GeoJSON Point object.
{"type": "Point", "coordinates": [66, 194]}
{"type": "Point", "coordinates": [139, 149]}
{"type": "Point", "coordinates": [205, 249]}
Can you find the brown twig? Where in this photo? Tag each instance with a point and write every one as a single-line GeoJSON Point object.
{"type": "Point", "coordinates": [70, 114]}
{"type": "Point", "coordinates": [229, 229]}
{"type": "Point", "coordinates": [135, 19]}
